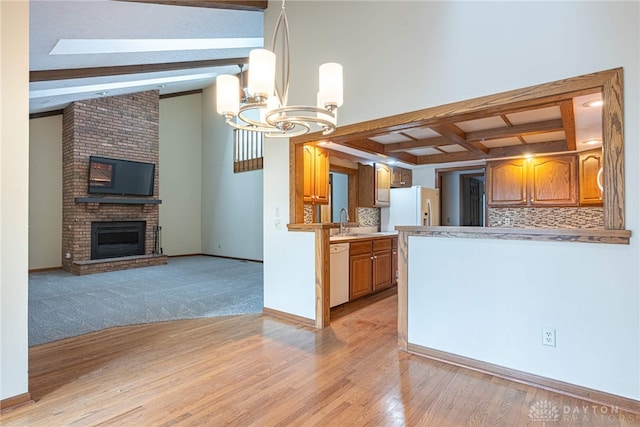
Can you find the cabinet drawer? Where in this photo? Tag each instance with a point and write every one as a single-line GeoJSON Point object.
{"type": "Point", "coordinates": [356, 248]}
{"type": "Point", "coordinates": [381, 244]}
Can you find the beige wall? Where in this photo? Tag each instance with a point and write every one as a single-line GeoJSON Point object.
{"type": "Point", "coordinates": [14, 196]}
{"type": "Point", "coordinates": [45, 192]}
{"type": "Point", "coordinates": [181, 174]}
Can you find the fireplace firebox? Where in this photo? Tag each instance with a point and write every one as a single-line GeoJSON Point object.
{"type": "Point", "coordinates": [114, 239]}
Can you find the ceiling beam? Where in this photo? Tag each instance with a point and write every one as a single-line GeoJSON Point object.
{"type": "Point", "coordinates": [79, 73]}
{"type": "Point", "coordinates": [215, 4]}
{"type": "Point", "coordinates": [457, 136]}
{"type": "Point", "coordinates": [447, 158]}
{"type": "Point", "coordinates": [522, 149]}
{"type": "Point", "coordinates": [517, 130]}
{"type": "Point", "coordinates": [373, 147]}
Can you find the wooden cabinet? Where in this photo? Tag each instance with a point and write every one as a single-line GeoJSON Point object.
{"type": "Point", "coordinates": [316, 175]}
{"type": "Point", "coordinates": [374, 185]}
{"type": "Point", "coordinates": [589, 164]}
{"type": "Point", "coordinates": [542, 181]}
{"type": "Point", "coordinates": [371, 267]}
{"type": "Point", "coordinates": [401, 177]}
{"type": "Point", "coordinates": [360, 269]}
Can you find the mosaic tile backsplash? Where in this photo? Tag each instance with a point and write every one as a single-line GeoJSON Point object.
{"type": "Point", "coordinates": [366, 217]}
{"type": "Point", "coordinates": [587, 218]}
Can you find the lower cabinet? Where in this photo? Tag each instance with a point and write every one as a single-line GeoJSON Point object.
{"type": "Point", "coordinates": [371, 267]}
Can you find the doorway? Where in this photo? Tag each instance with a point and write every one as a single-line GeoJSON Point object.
{"type": "Point", "coordinates": [462, 196]}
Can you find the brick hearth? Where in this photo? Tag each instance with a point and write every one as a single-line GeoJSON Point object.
{"type": "Point", "coordinates": [121, 127]}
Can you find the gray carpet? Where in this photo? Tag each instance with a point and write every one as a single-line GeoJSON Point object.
{"type": "Point", "coordinates": [63, 305]}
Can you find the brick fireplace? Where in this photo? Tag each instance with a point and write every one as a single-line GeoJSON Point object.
{"type": "Point", "coordinates": [122, 127]}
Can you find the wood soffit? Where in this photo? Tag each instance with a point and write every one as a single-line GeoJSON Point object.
{"type": "Point", "coordinates": [496, 126]}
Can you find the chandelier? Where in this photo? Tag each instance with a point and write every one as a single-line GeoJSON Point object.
{"type": "Point", "coordinates": [263, 107]}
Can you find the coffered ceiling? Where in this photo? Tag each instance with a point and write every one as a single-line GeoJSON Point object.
{"type": "Point", "coordinates": [568, 124]}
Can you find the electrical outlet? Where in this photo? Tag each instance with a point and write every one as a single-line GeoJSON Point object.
{"type": "Point", "coordinates": [507, 221]}
{"type": "Point", "coordinates": [549, 337]}
{"type": "Point", "coordinates": [278, 223]}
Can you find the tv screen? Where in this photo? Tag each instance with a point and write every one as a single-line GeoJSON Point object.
{"type": "Point", "coordinates": [123, 177]}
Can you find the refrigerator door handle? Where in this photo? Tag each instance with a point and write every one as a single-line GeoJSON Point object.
{"type": "Point", "coordinates": [428, 213]}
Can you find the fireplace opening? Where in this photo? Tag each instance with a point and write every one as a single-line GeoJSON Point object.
{"type": "Point", "coordinates": [117, 239]}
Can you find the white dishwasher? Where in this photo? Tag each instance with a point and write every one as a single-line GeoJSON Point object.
{"type": "Point", "coordinates": [339, 259]}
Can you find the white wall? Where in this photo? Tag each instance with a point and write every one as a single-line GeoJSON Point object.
{"type": "Point", "coordinates": [45, 192]}
{"type": "Point", "coordinates": [181, 174]}
{"type": "Point", "coordinates": [232, 203]}
{"type": "Point", "coordinates": [289, 257]}
{"type": "Point", "coordinates": [14, 196]}
{"type": "Point", "coordinates": [406, 56]}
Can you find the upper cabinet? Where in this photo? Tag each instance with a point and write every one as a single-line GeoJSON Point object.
{"type": "Point", "coordinates": [374, 184]}
{"type": "Point", "coordinates": [590, 164]}
{"type": "Point", "coordinates": [316, 175]}
{"type": "Point", "coordinates": [401, 177]}
{"type": "Point", "coordinates": [541, 181]}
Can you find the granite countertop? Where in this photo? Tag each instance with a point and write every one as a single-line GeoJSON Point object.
{"type": "Point", "coordinates": [349, 237]}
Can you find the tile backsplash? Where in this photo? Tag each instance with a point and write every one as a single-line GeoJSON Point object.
{"type": "Point", "coordinates": [368, 217]}
{"type": "Point", "coordinates": [570, 217]}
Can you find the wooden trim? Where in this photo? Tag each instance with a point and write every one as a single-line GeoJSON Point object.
{"type": "Point", "coordinates": [177, 94]}
{"type": "Point", "coordinates": [46, 114]}
{"type": "Point", "coordinates": [608, 82]}
{"type": "Point", "coordinates": [288, 317]}
{"type": "Point", "coordinates": [403, 288]}
{"type": "Point", "coordinates": [15, 402]}
{"type": "Point", "coordinates": [44, 270]}
{"type": "Point", "coordinates": [620, 237]}
{"type": "Point", "coordinates": [79, 73]}
{"type": "Point", "coordinates": [591, 395]}
{"type": "Point", "coordinates": [258, 5]}
{"type": "Point", "coordinates": [352, 186]}
{"type": "Point", "coordinates": [613, 151]}
{"type": "Point", "coordinates": [323, 278]}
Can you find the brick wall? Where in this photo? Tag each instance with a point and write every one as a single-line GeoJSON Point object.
{"type": "Point", "coordinates": [121, 127]}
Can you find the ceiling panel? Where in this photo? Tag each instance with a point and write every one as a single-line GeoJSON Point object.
{"type": "Point", "coordinates": [424, 151]}
{"type": "Point", "coordinates": [482, 124]}
{"type": "Point", "coordinates": [502, 142]}
{"type": "Point", "coordinates": [452, 148]}
{"type": "Point", "coordinates": [544, 137]}
{"type": "Point", "coordinates": [538, 115]}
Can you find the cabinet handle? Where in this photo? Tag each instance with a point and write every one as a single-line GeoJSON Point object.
{"type": "Point", "coordinates": [371, 257]}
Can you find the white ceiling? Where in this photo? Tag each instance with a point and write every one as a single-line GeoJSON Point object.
{"type": "Point", "coordinates": [134, 34]}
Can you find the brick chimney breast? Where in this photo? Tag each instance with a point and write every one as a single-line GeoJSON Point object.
{"type": "Point", "coordinates": [121, 127]}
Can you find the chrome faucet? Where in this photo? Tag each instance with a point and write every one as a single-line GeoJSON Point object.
{"type": "Point", "coordinates": [346, 220]}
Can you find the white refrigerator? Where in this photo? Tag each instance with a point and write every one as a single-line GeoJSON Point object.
{"type": "Point", "coordinates": [411, 206]}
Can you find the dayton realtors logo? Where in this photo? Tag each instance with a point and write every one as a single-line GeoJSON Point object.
{"type": "Point", "coordinates": [546, 412]}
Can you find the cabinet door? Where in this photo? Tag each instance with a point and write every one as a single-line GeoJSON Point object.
{"type": "Point", "coordinates": [382, 185]}
{"type": "Point", "coordinates": [553, 181]}
{"type": "Point", "coordinates": [308, 171]}
{"type": "Point", "coordinates": [507, 182]}
{"type": "Point", "coordinates": [401, 177]}
{"type": "Point", "coordinates": [321, 175]}
{"type": "Point", "coordinates": [590, 164]}
{"type": "Point", "coordinates": [360, 275]}
{"type": "Point", "coordinates": [407, 177]}
{"type": "Point", "coordinates": [382, 266]}
{"type": "Point", "coordinates": [316, 175]}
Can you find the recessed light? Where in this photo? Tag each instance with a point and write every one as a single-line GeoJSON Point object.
{"type": "Point", "coordinates": [528, 156]}
{"type": "Point", "coordinates": [594, 103]}
{"type": "Point", "coordinates": [593, 141]}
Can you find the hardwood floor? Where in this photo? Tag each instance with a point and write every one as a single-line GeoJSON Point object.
{"type": "Point", "coordinates": [257, 370]}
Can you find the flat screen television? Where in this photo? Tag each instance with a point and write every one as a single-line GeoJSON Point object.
{"type": "Point", "coordinates": [122, 177]}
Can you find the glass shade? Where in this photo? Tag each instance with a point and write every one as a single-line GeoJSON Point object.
{"type": "Point", "coordinates": [227, 94]}
{"type": "Point", "coordinates": [331, 83]}
{"type": "Point", "coordinates": [262, 72]}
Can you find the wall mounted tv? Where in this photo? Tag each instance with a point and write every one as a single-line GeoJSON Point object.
{"type": "Point", "coordinates": [122, 177]}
